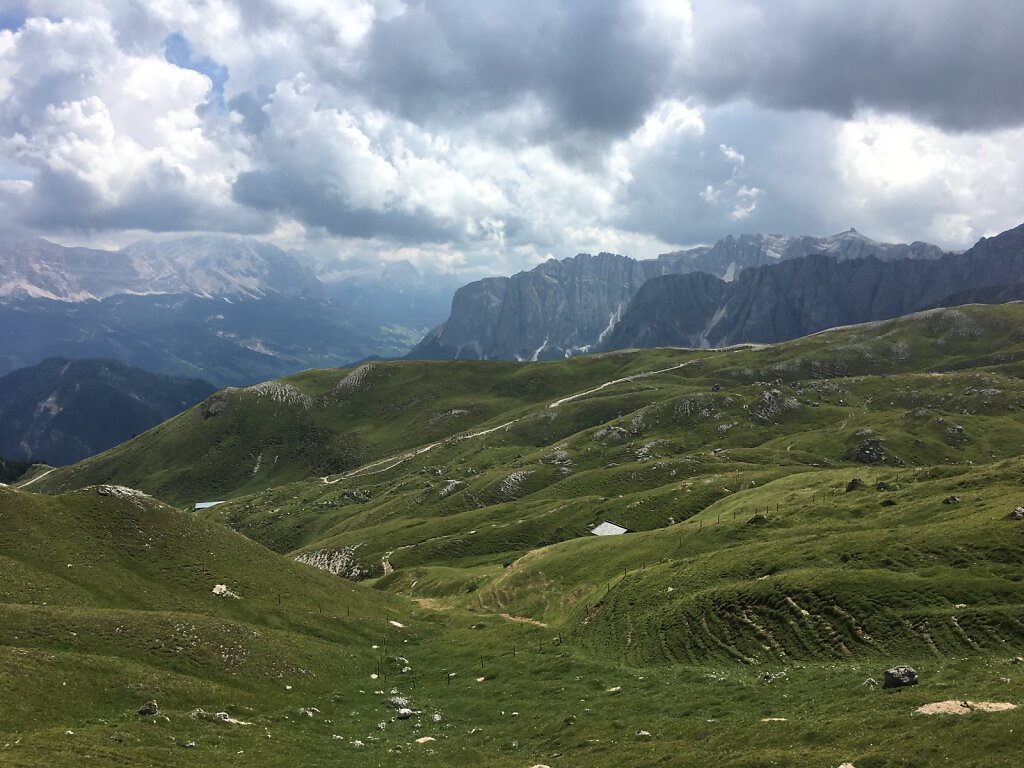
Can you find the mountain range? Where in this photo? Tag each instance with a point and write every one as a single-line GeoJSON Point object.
{"type": "Point", "coordinates": [65, 410]}
{"type": "Point", "coordinates": [568, 307]}
{"type": "Point", "coordinates": [802, 296]}
{"type": "Point", "coordinates": [224, 309]}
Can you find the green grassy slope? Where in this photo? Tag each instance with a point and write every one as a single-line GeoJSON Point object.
{"type": "Point", "coordinates": [645, 649]}
{"type": "Point", "coordinates": [133, 618]}
{"type": "Point", "coordinates": [328, 421]}
{"type": "Point", "coordinates": [655, 451]}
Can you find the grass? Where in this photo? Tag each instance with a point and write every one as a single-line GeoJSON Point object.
{"type": "Point", "coordinates": [495, 575]}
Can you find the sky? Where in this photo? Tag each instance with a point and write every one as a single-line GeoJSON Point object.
{"type": "Point", "coordinates": [488, 136]}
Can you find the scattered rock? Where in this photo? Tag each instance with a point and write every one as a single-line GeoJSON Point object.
{"type": "Point", "coordinates": [1018, 513]}
{"type": "Point", "coordinates": [614, 689]}
{"type": "Point", "coordinates": [123, 492]}
{"type": "Point", "coordinates": [221, 590]}
{"type": "Point", "coordinates": [189, 745]}
{"type": "Point", "coordinates": [759, 519]}
{"type": "Point", "coordinates": [899, 677]}
{"type": "Point", "coordinates": [951, 500]}
{"type": "Point", "coordinates": [425, 739]}
{"type": "Point", "coordinates": [215, 405]}
{"type": "Point", "coordinates": [358, 744]}
{"type": "Point", "coordinates": [889, 503]}
{"type": "Point", "coordinates": [404, 713]}
{"type": "Point", "coordinates": [643, 734]}
{"type": "Point", "coordinates": [308, 711]}
{"type": "Point", "coordinates": [870, 451]}
{"type": "Point", "coordinates": [436, 717]}
{"type": "Point", "coordinates": [339, 561]}
{"type": "Point", "coordinates": [398, 702]}
{"type": "Point", "coordinates": [955, 434]}
{"type": "Point", "coordinates": [771, 677]}
{"type": "Point", "coordinates": [870, 683]}
{"type": "Point", "coordinates": [881, 485]}
{"type": "Point", "coordinates": [854, 484]}
{"type": "Point", "coordinates": [149, 708]}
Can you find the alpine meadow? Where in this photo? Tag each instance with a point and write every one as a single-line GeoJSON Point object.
{"type": "Point", "coordinates": [422, 383]}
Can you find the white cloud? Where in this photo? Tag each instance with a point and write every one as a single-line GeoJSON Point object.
{"type": "Point", "coordinates": [956, 186]}
{"type": "Point", "coordinates": [492, 138]}
{"type": "Point", "coordinates": [114, 122]}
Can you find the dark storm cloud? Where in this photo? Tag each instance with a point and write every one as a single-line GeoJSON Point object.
{"type": "Point", "coordinates": [590, 64]}
{"type": "Point", "coordinates": [280, 192]}
{"type": "Point", "coordinates": [158, 201]}
{"type": "Point", "coordinates": [954, 64]}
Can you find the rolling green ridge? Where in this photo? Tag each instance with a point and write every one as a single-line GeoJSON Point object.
{"type": "Point", "coordinates": [463, 494]}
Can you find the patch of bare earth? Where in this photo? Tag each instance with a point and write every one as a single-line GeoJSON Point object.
{"type": "Point", "coordinates": [964, 707]}
{"type": "Point", "coordinates": [523, 620]}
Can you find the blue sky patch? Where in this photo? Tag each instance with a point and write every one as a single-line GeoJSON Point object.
{"type": "Point", "coordinates": [13, 18]}
{"type": "Point", "coordinates": [178, 51]}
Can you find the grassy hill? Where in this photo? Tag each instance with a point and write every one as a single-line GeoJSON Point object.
{"type": "Point", "coordinates": [467, 495]}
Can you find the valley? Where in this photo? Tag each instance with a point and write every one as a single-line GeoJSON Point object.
{"type": "Point", "coordinates": [802, 517]}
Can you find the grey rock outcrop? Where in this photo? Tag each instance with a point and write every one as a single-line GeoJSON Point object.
{"type": "Point", "coordinates": [555, 309]}
{"type": "Point", "coordinates": [899, 677]}
{"type": "Point", "coordinates": [870, 451]}
{"type": "Point", "coordinates": [149, 708]}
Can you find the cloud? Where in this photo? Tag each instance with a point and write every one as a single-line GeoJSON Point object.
{"type": "Point", "coordinates": [490, 136]}
{"type": "Point", "coordinates": [111, 139]}
{"type": "Point", "coordinates": [597, 67]}
{"type": "Point", "coordinates": [952, 64]}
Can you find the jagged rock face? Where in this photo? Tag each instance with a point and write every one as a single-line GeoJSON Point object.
{"type": "Point", "coordinates": [729, 256]}
{"type": "Point", "coordinates": [557, 308]}
{"type": "Point", "coordinates": [802, 296]}
{"type": "Point", "coordinates": [567, 307]}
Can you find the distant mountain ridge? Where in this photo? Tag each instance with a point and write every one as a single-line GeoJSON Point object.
{"type": "Point", "coordinates": [568, 307]}
{"type": "Point", "coordinates": [729, 256]}
{"type": "Point", "coordinates": [230, 310]}
{"type": "Point", "coordinates": [199, 265]}
{"type": "Point", "coordinates": [802, 296]}
{"type": "Point", "coordinates": [66, 410]}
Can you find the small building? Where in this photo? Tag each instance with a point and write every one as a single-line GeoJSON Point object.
{"type": "Point", "coordinates": [207, 504]}
{"type": "Point", "coordinates": [609, 529]}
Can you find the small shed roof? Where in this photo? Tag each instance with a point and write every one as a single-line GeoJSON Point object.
{"type": "Point", "coordinates": [609, 529]}
{"type": "Point", "coordinates": [207, 504]}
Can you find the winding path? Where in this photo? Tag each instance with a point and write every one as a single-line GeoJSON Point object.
{"type": "Point", "coordinates": [375, 467]}
{"type": "Point", "coordinates": [34, 479]}
{"type": "Point", "coordinates": [624, 379]}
